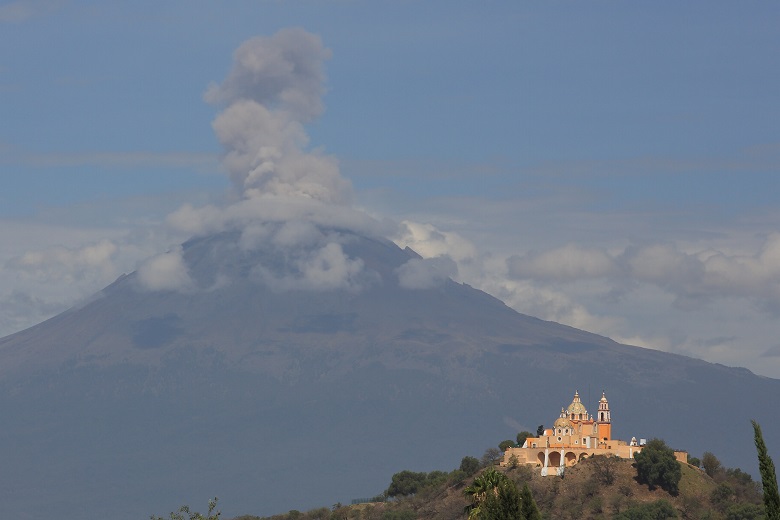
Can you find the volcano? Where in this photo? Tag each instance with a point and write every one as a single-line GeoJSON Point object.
{"type": "Point", "coordinates": [274, 394]}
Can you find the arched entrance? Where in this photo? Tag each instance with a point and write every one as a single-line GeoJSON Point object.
{"type": "Point", "coordinates": [555, 459]}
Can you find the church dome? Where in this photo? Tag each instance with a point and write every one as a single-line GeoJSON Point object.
{"type": "Point", "coordinates": [576, 406]}
{"type": "Point", "coordinates": [562, 422]}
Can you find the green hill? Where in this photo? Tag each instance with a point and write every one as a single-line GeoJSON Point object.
{"type": "Point", "coordinates": [597, 488]}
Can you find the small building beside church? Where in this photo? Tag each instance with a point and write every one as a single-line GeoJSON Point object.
{"type": "Point", "coordinates": [574, 436]}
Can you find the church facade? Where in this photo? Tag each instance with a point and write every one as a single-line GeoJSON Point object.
{"type": "Point", "coordinates": [575, 435]}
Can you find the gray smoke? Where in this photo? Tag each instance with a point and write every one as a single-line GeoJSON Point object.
{"type": "Point", "coordinates": [274, 87]}
{"type": "Point", "coordinates": [288, 195]}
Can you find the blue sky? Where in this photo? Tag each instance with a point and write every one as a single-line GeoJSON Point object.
{"type": "Point", "coordinates": [613, 166]}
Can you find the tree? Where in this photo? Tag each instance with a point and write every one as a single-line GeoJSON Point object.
{"type": "Point", "coordinates": [192, 515]}
{"type": "Point", "coordinates": [456, 477]}
{"type": "Point", "coordinates": [522, 436]}
{"type": "Point", "coordinates": [490, 457]}
{"type": "Point", "coordinates": [494, 496]}
{"type": "Point", "coordinates": [506, 444]}
{"type": "Point", "coordinates": [406, 483]}
{"type": "Point", "coordinates": [503, 504]}
{"type": "Point", "coordinates": [693, 461]}
{"type": "Point", "coordinates": [513, 461]}
{"type": "Point", "coordinates": [711, 464]}
{"type": "Point", "coordinates": [722, 496]}
{"type": "Point", "coordinates": [745, 512]}
{"type": "Point", "coordinates": [469, 465]}
{"type": "Point", "coordinates": [435, 478]}
{"type": "Point", "coordinates": [540, 430]}
{"type": "Point", "coordinates": [656, 466]}
{"type": "Point", "coordinates": [529, 509]}
{"type": "Point", "coordinates": [768, 476]}
{"type": "Point", "coordinates": [483, 485]}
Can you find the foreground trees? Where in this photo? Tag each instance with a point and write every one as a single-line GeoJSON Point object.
{"type": "Point", "coordinates": [184, 513]}
{"type": "Point", "coordinates": [768, 476]}
{"type": "Point", "coordinates": [405, 483]}
{"type": "Point", "coordinates": [656, 466]}
{"type": "Point", "coordinates": [494, 496]}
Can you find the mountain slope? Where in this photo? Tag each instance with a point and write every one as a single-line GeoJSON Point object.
{"type": "Point", "coordinates": [139, 400]}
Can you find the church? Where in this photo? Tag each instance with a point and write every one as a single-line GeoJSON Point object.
{"type": "Point", "coordinates": [575, 435]}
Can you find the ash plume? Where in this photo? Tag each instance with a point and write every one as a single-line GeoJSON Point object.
{"type": "Point", "coordinates": [275, 87]}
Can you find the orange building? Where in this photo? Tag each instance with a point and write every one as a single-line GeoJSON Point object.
{"type": "Point", "coordinates": [574, 436]}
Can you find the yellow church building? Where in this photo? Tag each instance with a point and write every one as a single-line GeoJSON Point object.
{"type": "Point", "coordinates": [574, 436]}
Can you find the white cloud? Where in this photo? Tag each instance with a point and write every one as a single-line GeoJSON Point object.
{"type": "Point", "coordinates": [272, 209]}
{"type": "Point", "coordinates": [323, 269]}
{"type": "Point", "coordinates": [714, 298]}
{"type": "Point", "coordinates": [426, 273]}
{"type": "Point", "coordinates": [67, 265]}
{"type": "Point", "coordinates": [663, 264]}
{"type": "Point", "coordinates": [429, 242]}
{"type": "Point", "coordinates": [544, 301]}
{"type": "Point", "coordinates": [569, 262]}
{"type": "Point", "coordinates": [19, 310]}
{"type": "Point", "coordinates": [38, 279]}
{"type": "Point", "coordinates": [166, 272]}
{"type": "Point", "coordinates": [693, 276]}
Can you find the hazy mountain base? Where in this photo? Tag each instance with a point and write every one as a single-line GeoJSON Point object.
{"type": "Point", "coordinates": [578, 495]}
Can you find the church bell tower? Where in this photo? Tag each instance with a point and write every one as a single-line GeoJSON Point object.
{"type": "Point", "coordinates": [604, 420]}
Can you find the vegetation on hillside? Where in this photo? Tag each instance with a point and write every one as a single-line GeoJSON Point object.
{"type": "Point", "coordinates": [652, 487]}
{"type": "Point", "coordinates": [494, 496]}
{"type": "Point", "coordinates": [184, 513]}
{"type": "Point", "coordinates": [656, 466]}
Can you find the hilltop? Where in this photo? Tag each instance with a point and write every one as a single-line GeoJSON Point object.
{"type": "Point", "coordinates": [580, 494]}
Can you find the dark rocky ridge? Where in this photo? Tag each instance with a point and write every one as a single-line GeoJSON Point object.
{"type": "Point", "coordinates": [138, 401]}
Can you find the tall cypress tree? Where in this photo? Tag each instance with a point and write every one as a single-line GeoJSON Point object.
{"type": "Point", "coordinates": [768, 476]}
